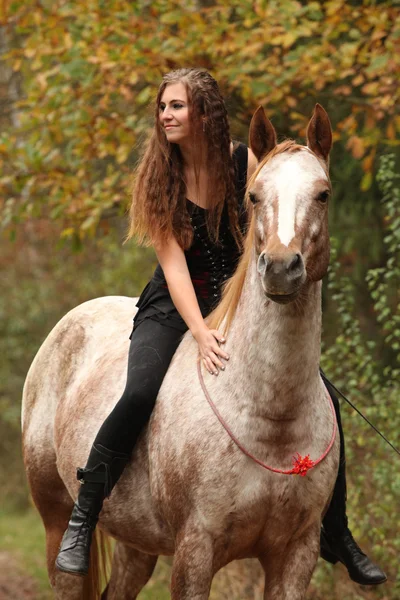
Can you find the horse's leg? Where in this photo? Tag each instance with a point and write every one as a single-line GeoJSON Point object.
{"type": "Point", "coordinates": [287, 576]}
{"type": "Point", "coordinates": [131, 570]}
{"type": "Point", "coordinates": [54, 505]}
{"type": "Point", "coordinates": [192, 569]}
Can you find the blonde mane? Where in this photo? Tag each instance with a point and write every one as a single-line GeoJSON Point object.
{"type": "Point", "coordinates": [232, 291]}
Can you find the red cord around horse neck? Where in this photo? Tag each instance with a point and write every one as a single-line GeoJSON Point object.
{"type": "Point", "coordinates": [301, 465]}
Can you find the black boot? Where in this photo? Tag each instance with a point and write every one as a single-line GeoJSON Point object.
{"type": "Point", "coordinates": [103, 469]}
{"type": "Point", "coordinates": [345, 549]}
{"type": "Point", "coordinates": [337, 542]}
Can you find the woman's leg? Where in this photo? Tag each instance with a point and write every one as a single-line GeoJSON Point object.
{"type": "Point", "coordinates": [152, 348]}
{"type": "Point", "coordinates": [337, 542]}
{"type": "Point", "coordinates": [335, 520]}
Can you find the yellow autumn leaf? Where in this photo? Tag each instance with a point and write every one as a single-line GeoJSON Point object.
{"type": "Point", "coordinates": [68, 43]}
{"type": "Point", "coordinates": [122, 153]}
{"type": "Point", "coordinates": [368, 161]}
{"type": "Point", "coordinates": [30, 52]}
{"type": "Point", "coordinates": [358, 80]}
{"type": "Point", "coordinates": [41, 79]}
{"type": "Point", "coordinates": [356, 145]}
{"type": "Point", "coordinates": [391, 131]}
{"type": "Point", "coordinates": [67, 232]}
{"type": "Point", "coordinates": [366, 181]}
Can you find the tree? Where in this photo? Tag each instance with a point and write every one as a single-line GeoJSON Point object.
{"type": "Point", "coordinates": [91, 69]}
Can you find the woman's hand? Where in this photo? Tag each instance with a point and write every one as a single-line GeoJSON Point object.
{"type": "Point", "coordinates": [210, 351]}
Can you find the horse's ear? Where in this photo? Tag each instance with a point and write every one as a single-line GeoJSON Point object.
{"type": "Point", "coordinates": [319, 133]}
{"type": "Point", "coordinates": [262, 135]}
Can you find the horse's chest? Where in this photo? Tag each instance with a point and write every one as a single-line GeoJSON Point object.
{"type": "Point", "coordinates": [272, 495]}
{"type": "Point", "coordinates": [257, 509]}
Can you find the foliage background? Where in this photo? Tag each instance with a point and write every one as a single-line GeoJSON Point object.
{"type": "Point", "coordinates": [76, 84]}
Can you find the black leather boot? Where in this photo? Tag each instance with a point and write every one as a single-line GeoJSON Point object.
{"type": "Point", "coordinates": [103, 469]}
{"type": "Point", "coordinates": [345, 549]}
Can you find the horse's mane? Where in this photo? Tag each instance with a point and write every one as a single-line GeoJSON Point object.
{"type": "Point", "coordinates": [226, 309]}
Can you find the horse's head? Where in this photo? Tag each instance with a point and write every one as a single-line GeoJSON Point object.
{"type": "Point", "coordinates": [290, 192]}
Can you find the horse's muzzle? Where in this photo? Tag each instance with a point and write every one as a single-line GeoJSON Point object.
{"type": "Point", "coordinates": [282, 275]}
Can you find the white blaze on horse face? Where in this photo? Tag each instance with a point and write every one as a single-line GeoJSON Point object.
{"type": "Point", "coordinates": [290, 179]}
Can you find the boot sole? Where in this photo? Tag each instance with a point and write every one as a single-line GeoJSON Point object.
{"type": "Point", "coordinates": [326, 555]}
{"type": "Point", "coordinates": [331, 558]}
{"type": "Point", "coordinates": [70, 571]}
{"type": "Point", "coordinates": [366, 583]}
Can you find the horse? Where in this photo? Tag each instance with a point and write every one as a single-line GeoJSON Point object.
{"type": "Point", "coordinates": [203, 489]}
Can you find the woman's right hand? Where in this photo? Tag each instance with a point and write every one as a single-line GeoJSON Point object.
{"type": "Point", "coordinates": [209, 349]}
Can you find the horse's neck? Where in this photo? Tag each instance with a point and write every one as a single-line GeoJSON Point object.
{"type": "Point", "coordinates": [277, 345]}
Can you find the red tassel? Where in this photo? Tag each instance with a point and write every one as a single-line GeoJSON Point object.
{"type": "Point", "coordinates": [301, 465]}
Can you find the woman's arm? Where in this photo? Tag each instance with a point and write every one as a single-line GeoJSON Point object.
{"type": "Point", "coordinates": [173, 263]}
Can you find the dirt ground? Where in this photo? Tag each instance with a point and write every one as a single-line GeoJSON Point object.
{"type": "Point", "coordinates": [14, 584]}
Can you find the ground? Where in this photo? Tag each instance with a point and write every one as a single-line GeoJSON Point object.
{"type": "Point", "coordinates": [23, 574]}
{"type": "Point", "coordinates": [14, 583]}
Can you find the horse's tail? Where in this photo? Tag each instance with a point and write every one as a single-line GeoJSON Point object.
{"type": "Point", "coordinates": [100, 566]}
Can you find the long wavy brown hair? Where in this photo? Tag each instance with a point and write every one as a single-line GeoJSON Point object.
{"type": "Point", "coordinates": [159, 207]}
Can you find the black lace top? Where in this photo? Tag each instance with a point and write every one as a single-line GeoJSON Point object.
{"type": "Point", "coordinates": [210, 264]}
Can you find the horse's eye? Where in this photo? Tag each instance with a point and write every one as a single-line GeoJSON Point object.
{"type": "Point", "coordinates": [253, 198]}
{"type": "Point", "coordinates": [323, 196]}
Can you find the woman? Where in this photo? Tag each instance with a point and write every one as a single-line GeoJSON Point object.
{"type": "Point", "coordinates": [188, 202]}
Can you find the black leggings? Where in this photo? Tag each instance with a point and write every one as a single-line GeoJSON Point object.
{"type": "Point", "coordinates": [150, 353]}
{"type": "Point", "coordinates": [152, 348]}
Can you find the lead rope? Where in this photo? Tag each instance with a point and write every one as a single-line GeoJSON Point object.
{"type": "Point", "coordinates": [363, 416]}
{"type": "Point", "coordinates": [301, 465]}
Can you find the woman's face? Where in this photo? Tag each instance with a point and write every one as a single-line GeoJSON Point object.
{"type": "Point", "coordinates": [174, 113]}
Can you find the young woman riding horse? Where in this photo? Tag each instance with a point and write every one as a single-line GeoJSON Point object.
{"type": "Point", "coordinates": [188, 202]}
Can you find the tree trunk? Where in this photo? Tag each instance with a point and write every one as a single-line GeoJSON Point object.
{"type": "Point", "coordinates": [10, 82]}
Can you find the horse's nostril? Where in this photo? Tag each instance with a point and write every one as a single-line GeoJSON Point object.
{"type": "Point", "coordinates": [295, 263]}
{"type": "Point", "coordinates": [261, 263]}
{"type": "Point", "coordinates": [264, 263]}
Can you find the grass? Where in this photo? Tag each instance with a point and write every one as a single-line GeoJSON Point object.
{"type": "Point", "coordinates": [22, 538]}
{"type": "Point", "coordinates": [158, 586]}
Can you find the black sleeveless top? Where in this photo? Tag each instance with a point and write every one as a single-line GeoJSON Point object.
{"type": "Point", "coordinates": [210, 264]}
